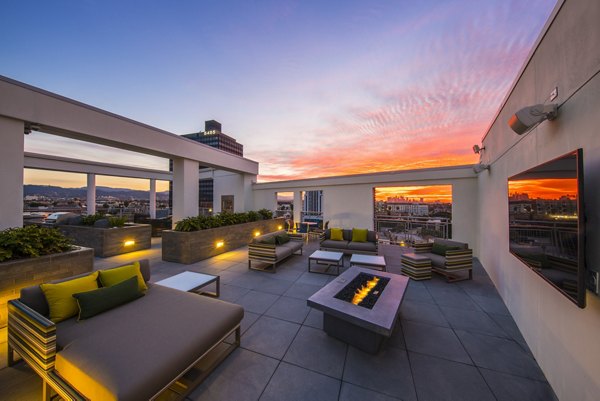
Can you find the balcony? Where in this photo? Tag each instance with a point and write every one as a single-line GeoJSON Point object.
{"type": "Point", "coordinates": [454, 341]}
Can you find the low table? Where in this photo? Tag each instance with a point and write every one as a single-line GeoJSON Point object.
{"type": "Point", "coordinates": [371, 261]}
{"type": "Point", "coordinates": [330, 259]}
{"type": "Point", "coordinates": [416, 266]}
{"type": "Point", "coordinates": [361, 327]}
{"type": "Point", "coordinates": [192, 282]}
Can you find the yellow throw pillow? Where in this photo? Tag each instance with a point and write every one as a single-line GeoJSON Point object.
{"type": "Point", "coordinates": [117, 275]}
{"type": "Point", "coordinates": [60, 295]}
{"type": "Point", "coordinates": [359, 235]}
{"type": "Point", "coordinates": [337, 234]}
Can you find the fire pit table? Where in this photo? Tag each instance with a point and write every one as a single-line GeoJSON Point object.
{"type": "Point", "coordinates": [365, 323]}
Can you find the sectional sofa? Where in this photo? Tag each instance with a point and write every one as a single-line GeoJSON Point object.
{"type": "Point", "coordinates": [137, 351]}
{"type": "Point", "coordinates": [269, 249]}
{"type": "Point", "coordinates": [346, 245]}
{"type": "Point", "coordinates": [452, 259]}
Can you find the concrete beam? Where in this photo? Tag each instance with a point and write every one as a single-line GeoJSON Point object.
{"type": "Point", "coordinates": [57, 163]}
{"type": "Point", "coordinates": [185, 189]}
{"type": "Point", "coordinates": [91, 194]}
{"type": "Point", "coordinates": [62, 116]}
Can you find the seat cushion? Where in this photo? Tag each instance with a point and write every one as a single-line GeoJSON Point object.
{"type": "Point", "coordinates": [293, 246]}
{"type": "Point", "coordinates": [328, 243]}
{"type": "Point", "coordinates": [436, 260]}
{"type": "Point", "coordinates": [133, 351]}
{"type": "Point", "coordinates": [362, 246]}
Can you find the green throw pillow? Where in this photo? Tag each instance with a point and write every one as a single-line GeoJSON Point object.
{"type": "Point", "coordinates": [110, 277]}
{"type": "Point", "coordinates": [94, 302]}
{"type": "Point", "coordinates": [282, 239]}
{"type": "Point", "coordinates": [440, 249]}
{"type": "Point", "coordinates": [359, 235]}
{"type": "Point", "coordinates": [336, 234]}
{"type": "Point", "coordinates": [60, 299]}
{"type": "Point", "coordinates": [269, 240]}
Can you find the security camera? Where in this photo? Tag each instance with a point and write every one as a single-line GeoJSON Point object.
{"type": "Point", "coordinates": [477, 149]}
{"type": "Point", "coordinates": [478, 168]}
{"type": "Point", "coordinates": [528, 117]}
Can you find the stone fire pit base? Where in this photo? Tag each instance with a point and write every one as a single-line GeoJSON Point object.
{"type": "Point", "coordinates": [363, 328]}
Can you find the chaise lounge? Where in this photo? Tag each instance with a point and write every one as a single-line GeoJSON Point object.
{"type": "Point", "coordinates": [139, 350]}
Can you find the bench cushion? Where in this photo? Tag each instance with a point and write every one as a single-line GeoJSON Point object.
{"type": "Point", "coordinates": [328, 243]}
{"type": "Point", "coordinates": [363, 246]}
{"type": "Point", "coordinates": [133, 351]}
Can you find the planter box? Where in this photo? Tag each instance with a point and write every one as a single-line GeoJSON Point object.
{"type": "Point", "coordinates": [110, 241]}
{"type": "Point", "coordinates": [191, 247]}
{"type": "Point", "coordinates": [17, 274]}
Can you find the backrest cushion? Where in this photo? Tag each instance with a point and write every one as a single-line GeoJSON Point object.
{"type": "Point", "coordinates": [371, 236]}
{"type": "Point", "coordinates": [447, 242]}
{"type": "Point", "coordinates": [336, 234]}
{"type": "Point", "coordinates": [257, 240]}
{"type": "Point", "coordinates": [110, 277]}
{"type": "Point", "coordinates": [359, 235]}
{"type": "Point", "coordinates": [91, 303]}
{"type": "Point", "coordinates": [60, 299]}
{"type": "Point", "coordinates": [440, 249]}
{"type": "Point", "coordinates": [34, 296]}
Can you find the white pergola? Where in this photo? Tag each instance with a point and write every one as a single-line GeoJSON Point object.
{"type": "Point", "coordinates": [24, 106]}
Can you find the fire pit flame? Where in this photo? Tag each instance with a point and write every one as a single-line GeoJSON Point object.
{"type": "Point", "coordinates": [364, 290]}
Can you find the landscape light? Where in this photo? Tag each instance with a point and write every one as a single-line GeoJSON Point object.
{"type": "Point", "coordinates": [280, 227]}
{"type": "Point", "coordinates": [257, 233]}
{"type": "Point", "coordinates": [129, 242]}
{"type": "Point", "coordinates": [219, 244]}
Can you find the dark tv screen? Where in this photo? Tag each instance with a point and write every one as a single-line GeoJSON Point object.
{"type": "Point", "coordinates": [545, 210]}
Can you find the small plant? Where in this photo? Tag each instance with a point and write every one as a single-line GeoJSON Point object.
{"type": "Point", "coordinates": [31, 242]}
{"type": "Point", "coordinates": [91, 219]}
{"type": "Point", "coordinates": [117, 221]}
{"type": "Point", "coordinates": [220, 220]}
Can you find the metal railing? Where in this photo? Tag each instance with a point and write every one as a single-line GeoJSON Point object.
{"type": "Point", "coordinates": [412, 228]}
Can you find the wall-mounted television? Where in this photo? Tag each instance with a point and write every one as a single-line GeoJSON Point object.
{"type": "Point", "coordinates": [546, 223]}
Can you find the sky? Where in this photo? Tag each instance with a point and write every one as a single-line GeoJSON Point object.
{"type": "Point", "coordinates": [549, 188]}
{"type": "Point", "coordinates": [310, 88]}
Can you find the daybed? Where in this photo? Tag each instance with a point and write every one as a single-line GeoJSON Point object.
{"type": "Point", "coordinates": [347, 245]}
{"type": "Point", "coordinates": [448, 258]}
{"type": "Point", "coordinates": [135, 351]}
{"type": "Point", "coordinates": [272, 248]}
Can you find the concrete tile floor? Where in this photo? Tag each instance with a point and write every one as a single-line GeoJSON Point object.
{"type": "Point", "coordinates": [454, 341]}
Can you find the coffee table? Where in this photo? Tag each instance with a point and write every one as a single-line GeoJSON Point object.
{"type": "Point", "coordinates": [370, 261]}
{"type": "Point", "coordinates": [192, 282]}
{"type": "Point", "coordinates": [330, 259]}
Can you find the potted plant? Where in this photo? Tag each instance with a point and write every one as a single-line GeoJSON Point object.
{"type": "Point", "coordinates": [201, 237]}
{"type": "Point", "coordinates": [33, 255]}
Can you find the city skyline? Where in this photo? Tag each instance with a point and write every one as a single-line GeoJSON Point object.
{"type": "Point", "coordinates": [309, 89]}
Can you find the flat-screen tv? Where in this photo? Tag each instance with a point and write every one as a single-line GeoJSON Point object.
{"type": "Point", "coordinates": [546, 224]}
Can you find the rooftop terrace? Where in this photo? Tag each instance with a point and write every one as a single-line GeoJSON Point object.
{"type": "Point", "coordinates": [454, 341]}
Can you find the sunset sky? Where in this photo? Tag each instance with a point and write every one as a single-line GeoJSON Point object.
{"type": "Point", "coordinates": [545, 189]}
{"type": "Point", "coordinates": [310, 88]}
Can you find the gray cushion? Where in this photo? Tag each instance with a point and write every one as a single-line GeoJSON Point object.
{"type": "Point", "coordinates": [282, 251]}
{"type": "Point", "coordinates": [447, 242]}
{"type": "Point", "coordinates": [371, 236]}
{"type": "Point", "coordinates": [293, 246]}
{"type": "Point", "coordinates": [436, 260]}
{"type": "Point", "coordinates": [347, 235]}
{"type": "Point", "coordinates": [131, 352]}
{"type": "Point", "coordinates": [36, 300]}
{"type": "Point", "coordinates": [268, 235]}
{"type": "Point", "coordinates": [334, 244]}
{"type": "Point", "coordinates": [362, 246]}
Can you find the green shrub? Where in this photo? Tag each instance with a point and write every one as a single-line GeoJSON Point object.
{"type": "Point", "coordinates": [31, 242]}
{"type": "Point", "coordinates": [220, 220]}
{"type": "Point", "coordinates": [91, 219]}
{"type": "Point", "coordinates": [117, 221]}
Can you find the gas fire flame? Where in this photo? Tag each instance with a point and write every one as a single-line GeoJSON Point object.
{"type": "Point", "coordinates": [364, 290]}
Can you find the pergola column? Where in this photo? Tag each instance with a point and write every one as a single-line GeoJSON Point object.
{"type": "Point", "coordinates": [152, 198]}
{"type": "Point", "coordinates": [91, 194]}
{"type": "Point", "coordinates": [297, 206]}
{"type": "Point", "coordinates": [185, 189]}
{"type": "Point", "coordinates": [12, 161]}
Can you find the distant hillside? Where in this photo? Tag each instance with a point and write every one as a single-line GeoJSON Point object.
{"type": "Point", "coordinates": [60, 192]}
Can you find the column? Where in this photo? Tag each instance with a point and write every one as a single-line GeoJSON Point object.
{"type": "Point", "coordinates": [152, 198]}
{"type": "Point", "coordinates": [297, 206]}
{"type": "Point", "coordinates": [91, 193]}
{"type": "Point", "coordinates": [12, 161]}
{"type": "Point", "coordinates": [185, 189]}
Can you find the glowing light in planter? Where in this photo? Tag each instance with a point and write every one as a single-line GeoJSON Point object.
{"type": "Point", "coordinates": [256, 233]}
{"type": "Point", "coordinates": [129, 242]}
{"type": "Point", "coordinates": [219, 244]}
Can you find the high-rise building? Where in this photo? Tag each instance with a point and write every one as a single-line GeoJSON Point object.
{"type": "Point", "coordinates": [214, 137]}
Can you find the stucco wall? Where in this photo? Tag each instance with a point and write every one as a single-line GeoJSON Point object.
{"type": "Point", "coordinates": [562, 337]}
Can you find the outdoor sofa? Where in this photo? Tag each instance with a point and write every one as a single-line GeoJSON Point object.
{"type": "Point", "coordinates": [132, 352]}
{"type": "Point", "coordinates": [448, 258]}
{"type": "Point", "coordinates": [269, 249]}
{"type": "Point", "coordinates": [347, 245]}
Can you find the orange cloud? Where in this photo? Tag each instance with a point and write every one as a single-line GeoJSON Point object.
{"type": "Point", "coordinates": [430, 193]}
